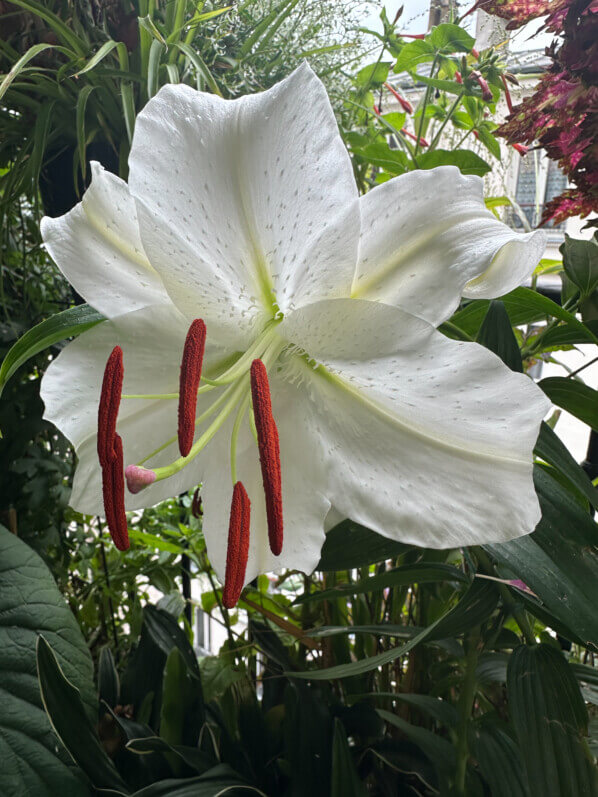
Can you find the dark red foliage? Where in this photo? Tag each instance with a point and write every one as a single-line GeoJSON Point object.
{"type": "Point", "coordinates": [561, 116]}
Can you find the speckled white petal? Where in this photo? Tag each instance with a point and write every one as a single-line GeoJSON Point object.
{"type": "Point", "coordinates": [429, 440]}
{"type": "Point", "coordinates": [427, 239]}
{"type": "Point", "coordinates": [305, 505]}
{"type": "Point", "coordinates": [152, 341]}
{"type": "Point", "coordinates": [236, 195]}
{"type": "Point", "coordinates": [97, 247]}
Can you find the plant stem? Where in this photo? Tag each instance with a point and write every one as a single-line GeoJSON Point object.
{"type": "Point", "coordinates": [466, 701]}
{"type": "Point", "coordinates": [449, 114]}
{"type": "Point", "coordinates": [422, 118]}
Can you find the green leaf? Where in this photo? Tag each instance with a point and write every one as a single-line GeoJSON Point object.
{"type": "Point", "coordinates": [373, 74]}
{"type": "Point", "coordinates": [559, 561]}
{"type": "Point", "coordinates": [104, 51]}
{"type": "Point", "coordinates": [166, 633]}
{"type": "Point", "coordinates": [33, 762]}
{"type": "Point", "coordinates": [551, 449]}
{"type": "Point", "coordinates": [62, 30]}
{"type": "Point", "coordinates": [573, 396]}
{"type": "Point", "coordinates": [344, 780]}
{"type": "Point", "coordinates": [350, 545]}
{"type": "Point", "coordinates": [200, 66]}
{"type": "Point", "coordinates": [496, 334]}
{"type": "Point", "coordinates": [219, 780]}
{"type": "Point", "coordinates": [412, 54]}
{"type": "Point", "coordinates": [499, 760]}
{"type": "Point", "coordinates": [450, 38]}
{"type": "Point", "coordinates": [420, 573]}
{"type": "Point", "coordinates": [80, 124]}
{"type": "Point", "coordinates": [440, 752]}
{"type": "Point", "coordinates": [193, 757]}
{"type": "Point", "coordinates": [65, 709]}
{"type": "Point", "coordinates": [580, 261]}
{"type": "Point", "coordinates": [434, 707]}
{"type": "Point", "coordinates": [153, 67]}
{"type": "Point", "coordinates": [489, 141]}
{"type": "Point", "coordinates": [381, 155]}
{"type": "Point", "coordinates": [21, 63]}
{"type": "Point", "coordinates": [549, 717]}
{"type": "Point", "coordinates": [108, 682]}
{"type": "Point", "coordinates": [68, 323]}
{"type": "Point", "coordinates": [465, 160]}
{"type": "Point", "coordinates": [475, 606]}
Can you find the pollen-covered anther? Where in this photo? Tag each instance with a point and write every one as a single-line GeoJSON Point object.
{"type": "Point", "coordinates": [109, 404]}
{"type": "Point", "coordinates": [189, 383]}
{"type": "Point", "coordinates": [269, 448]}
{"type": "Point", "coordinates": [238, 546]}
{"type": "Point", "coordinates": [113, 489]}
{"type": "Point", "coordinates": [138, 478]}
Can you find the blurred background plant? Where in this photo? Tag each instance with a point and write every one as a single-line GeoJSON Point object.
{"type": "Point", "coordinates": [391, 669]}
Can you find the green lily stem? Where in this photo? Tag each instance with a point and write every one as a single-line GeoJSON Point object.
{"type": "Point", "coordinates": [466, 701]}
{"type": "Point", "coordinates": [448, 116]}
{"type": "Point", "coordinates": [510, 604]}
{"type": "Point", "coordinates": [422, 118]}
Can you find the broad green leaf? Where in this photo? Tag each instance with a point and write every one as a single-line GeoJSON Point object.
{"type": "Point", "coordinates": [344, 780]}
{"type": "Point", "coordinates": [551, 449]}
{"type": "Point", "coordinates": [450, 38]}
{"type": "Point", "coordinates": [450, 86]}
{"type": "Point", "coordinates": [66, 324]}
{"type": "Point", "coordinates": [434, 707]}
{"type": "Point", "coordinates": [372, 74]}
{"type": "Point", "coordinates": [33, 761]}
{"type": "Point", "coordinates": [420, 573]}
{"type": "Point", "coordinates": [192, 756]}
{"type": "Point", "coordinates": [465, 160]}
{"type": "Point", "coordinates": [65, 709]}
{"type": "Point", "coordinates": [216, 782]}
{"type": "Point", "coordinates": [440, 752]}
{"type": "Point", "coordinates": [497, 335]}
{"type": "Point", "coordinates": [153, 67]}
{"type": "Point", "coordinates": [580, 261]}
{"type": "Point", "coordinates": [576, 397]}
{"type": "Point", "coordinates": [499, 760]}
{"type": "Point", "coordinates": [381, 155]}
{"type": "Point", "coordinates": [350, 545]}
{"type": "Point", "coordinates": [166, 633]}
{"type": "Point", "coordinates": [550, 718]}
{"type": "Point", "coordinates": [489, 141]}
{"type": "Point", "coordinates": [412, 54]}
{"type": "Point", "coordinates": [524, 306]}
{"type": "Point", "coordinates": [475, 606]}
{"type": "Point", "coordinates": [559, 561]}
{"type": "Point", "coordinates": [108, 681]}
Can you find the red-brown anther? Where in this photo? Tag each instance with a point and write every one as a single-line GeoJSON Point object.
{"type": "Point", "coordinates": [237, 551]}
{"type": "Point", "coordinates": [196, 507]}
{"type": "Point", "coordinates": [269, 447]}
{"type": "Point", "coordinates": [192, 361]}
{"type": "Point", "coordinates": [113, 489]}
{"type": "Point", "coordinates": [109, 404]}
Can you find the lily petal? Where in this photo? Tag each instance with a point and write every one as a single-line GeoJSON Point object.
{"type": "Point", "coordinates": [245, 202]}
{"type": "Point", "coordinates": [97, 247]}
{"type": "Point", "coordinates": [152, 341]}
{"type": "Point", "coordinates": [429, 440]}
{"type": "Point", "coordinates": [304, 505]}
{"type": "Point", "coordinates": [427, 239]}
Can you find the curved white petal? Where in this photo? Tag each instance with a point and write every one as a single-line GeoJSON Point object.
{"type": "Point", "coordinates": [429, 440]}
{"type": "Point", "coordinates": [427, 238]}
{"type": "Point", "coordinates": [239, 197]}
{"type": "Point", "coordinates": [305, 506]}
{"type": "Point", "coordinates": [152, 340]}
{"type": "Point", "coordinates": [97, 247]}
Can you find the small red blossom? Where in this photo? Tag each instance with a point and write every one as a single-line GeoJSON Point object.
{"type": "Point", "coordinates": [405, 104]}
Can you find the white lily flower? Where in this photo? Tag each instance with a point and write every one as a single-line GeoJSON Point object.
{"type": "Point", "coordinates": [245, 213]}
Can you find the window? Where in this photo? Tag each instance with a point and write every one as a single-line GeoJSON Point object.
{"type": "Point", "coordinates": [539, 180]}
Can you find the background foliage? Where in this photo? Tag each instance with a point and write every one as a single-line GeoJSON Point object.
{"type": "Point", "coordinates": [390, 670]}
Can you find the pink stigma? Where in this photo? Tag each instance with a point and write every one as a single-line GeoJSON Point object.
{"type": "Point", "coordinates": [138, 478]}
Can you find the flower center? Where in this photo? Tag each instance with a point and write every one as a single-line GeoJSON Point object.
{"type": "Point", "coordinates": [245, 381]}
